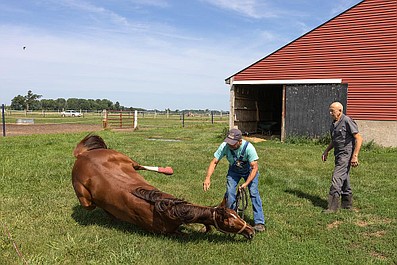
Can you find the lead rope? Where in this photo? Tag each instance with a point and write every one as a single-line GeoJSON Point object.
{"type": "Point", "coordinates": [241, 202]}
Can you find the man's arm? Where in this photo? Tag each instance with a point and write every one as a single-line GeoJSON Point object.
{"type": "Point", "coordinates": [356, 151]}
{"type": "Point", "coordinates": [254, 171]}
{"type": "Point", "coordinates": [325, 154]}
{"type": "Point", "coordinates": [210, 171]}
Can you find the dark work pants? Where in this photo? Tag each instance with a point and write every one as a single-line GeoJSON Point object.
{"type": "Point", "coordinates": [341, 178]}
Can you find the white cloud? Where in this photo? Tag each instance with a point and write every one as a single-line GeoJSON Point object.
{"type": "Point", "coordinates": [86, 7]}
{"type": "Point", "coordinates": [249, 8]}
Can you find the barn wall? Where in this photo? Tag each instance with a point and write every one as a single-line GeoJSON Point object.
{"type": "Point", "coordinates": [307, 108]}
{"type": "Point", "coordinates": [359, 46]}
{"type": "Point", "coordinates": [383, 133]}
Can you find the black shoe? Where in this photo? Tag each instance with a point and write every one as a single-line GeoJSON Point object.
{"type": "Point", "coordinates": [333, 204]}
{"type": "Point", "coordinates": [347, 202]}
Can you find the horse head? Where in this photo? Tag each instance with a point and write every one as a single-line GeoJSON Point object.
{"type": "Point", "coordinates": [228, 221]}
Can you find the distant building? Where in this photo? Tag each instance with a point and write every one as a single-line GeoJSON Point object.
{"type": "Point", "coordinates": [351, 58]}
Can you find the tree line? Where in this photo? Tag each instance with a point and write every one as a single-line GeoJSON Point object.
{"type": "Point", "coordinates": [33, 101]}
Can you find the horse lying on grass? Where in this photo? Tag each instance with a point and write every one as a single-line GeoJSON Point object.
{"type": "Point", "coordinates": [108, 179]}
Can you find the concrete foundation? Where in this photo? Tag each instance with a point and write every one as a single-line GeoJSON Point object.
{"type": "Point", "coordinates": [383, 133]}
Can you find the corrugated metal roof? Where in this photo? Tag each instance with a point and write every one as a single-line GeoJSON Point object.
{"type": "Point", "coordinates": [358, 46]}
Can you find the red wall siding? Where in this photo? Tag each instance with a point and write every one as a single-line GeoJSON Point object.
{"type": "Point", "coordinates": [359, 46]}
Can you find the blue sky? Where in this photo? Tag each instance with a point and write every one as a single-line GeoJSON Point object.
{"type": "Point", "coordinates": [152, 54]}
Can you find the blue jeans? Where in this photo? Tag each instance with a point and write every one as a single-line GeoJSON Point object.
{"type": "Point", "coordinates": [233, 179]}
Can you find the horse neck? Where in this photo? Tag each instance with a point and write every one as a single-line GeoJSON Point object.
{"type": "Point", "coordinates": [202, 214]}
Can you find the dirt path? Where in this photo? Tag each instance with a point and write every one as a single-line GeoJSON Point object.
{"type": "Point", "coordinates": [27, 129]}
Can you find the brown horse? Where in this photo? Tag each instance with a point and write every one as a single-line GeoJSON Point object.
{"type": "Point", "coordinates": [108, 179]}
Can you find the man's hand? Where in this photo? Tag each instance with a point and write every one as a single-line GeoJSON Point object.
{"type": "Point", "coordinates": [324, 156]}
{"type": "Point", "coordinates": [206, 184]}
{"type": "Point", "coordinates": [243, 186]}
{"type": "Point", "coordinates": [354, 161]}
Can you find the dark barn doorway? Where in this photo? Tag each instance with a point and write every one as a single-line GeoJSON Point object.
{"type": "Point", "coordinates": [258, 109]}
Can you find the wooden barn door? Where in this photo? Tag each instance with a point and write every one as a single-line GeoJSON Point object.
{"type": "Point", "coordinates": [306, 108]}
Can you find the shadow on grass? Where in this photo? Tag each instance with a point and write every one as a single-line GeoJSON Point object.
{"type": "Point", "coordinates": [315, 200]}
{"type": "Point", "coordinates": [100, 218]}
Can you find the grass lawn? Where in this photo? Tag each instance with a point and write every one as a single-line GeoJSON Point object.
{"type": "Point", "coordinates": [41, 217]}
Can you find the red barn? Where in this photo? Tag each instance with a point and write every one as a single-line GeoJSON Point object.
{"type": "Point", "coordinates": [351, 58]}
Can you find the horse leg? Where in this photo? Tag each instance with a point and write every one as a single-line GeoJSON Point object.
{"type": "Point", "coordinates": [84, 196]}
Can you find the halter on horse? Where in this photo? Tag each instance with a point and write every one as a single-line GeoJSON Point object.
{"type": "Point", "coordinates": [108, 179]}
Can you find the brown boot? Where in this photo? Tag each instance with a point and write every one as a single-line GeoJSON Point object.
{"type": "Point", "coordinates": [347, 202]}
{"type": "Point", "coordinates": [333, 204]}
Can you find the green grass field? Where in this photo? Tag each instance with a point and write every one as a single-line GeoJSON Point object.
{"type": "Point", "coordinates": [41, 217]}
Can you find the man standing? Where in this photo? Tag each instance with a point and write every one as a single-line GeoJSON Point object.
{"type": "Point", "coordinates": [243, 163]}
{"type": "Point", "coordinates": [346, 142]}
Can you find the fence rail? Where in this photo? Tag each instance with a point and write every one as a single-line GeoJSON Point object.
{"type": "Point", "coordinates": [145, 118]}
{"type": "Point", "coordinates": [119, 119]}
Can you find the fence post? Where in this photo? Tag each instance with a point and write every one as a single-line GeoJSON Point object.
{"type": "Point", "coordinates": [183, 119]}
{"type": "Point", "coordinates": [3, 120]}
{"type": "Point", "coordinates": [135, 119]}
{"type": "Point", "coordinates": [105, 119]}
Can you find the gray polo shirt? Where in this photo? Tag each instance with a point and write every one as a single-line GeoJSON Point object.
{"type": "Point", "coordinates": [342, 133]}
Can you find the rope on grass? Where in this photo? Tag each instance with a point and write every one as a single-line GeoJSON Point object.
{"type": "Point", "coordinates": [7, 233]}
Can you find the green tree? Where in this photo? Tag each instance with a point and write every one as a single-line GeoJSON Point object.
{"type": "Point", "coordinates": [32, 100]}
{"type": "Point", "coordinates": [117, 106]}
{"type": "Point", "coordinates": [61, 104]}
{"type": "Point", "coordinates": [83, 104]}
{"type": "Point", "coordinates": [18, 102]}
{"type": "Point", "coordinates": [73, 103]}
{"type": "Point", "coordinates": [48, 104]}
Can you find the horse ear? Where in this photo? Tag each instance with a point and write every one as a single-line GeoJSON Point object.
{"type": "Point", "coordinates": [223, 203]}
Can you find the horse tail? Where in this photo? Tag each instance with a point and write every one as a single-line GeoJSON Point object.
{"type": "Point", "coordinates": [90, 142]}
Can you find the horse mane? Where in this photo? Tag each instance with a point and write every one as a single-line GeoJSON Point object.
{"type": "Point", "coordinates": [173, 208]}
{"type": "Point", "coordinates": [90, 142]}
